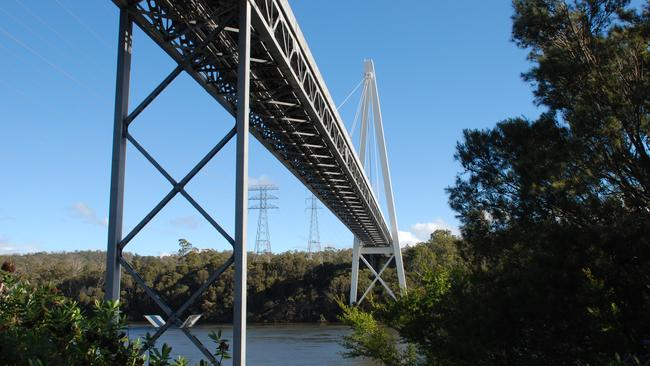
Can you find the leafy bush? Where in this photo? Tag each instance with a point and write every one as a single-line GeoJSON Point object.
{"type": "Point", "coordinates": [371, 339]}
{"type": "Point", "coordinates": [39, 326]}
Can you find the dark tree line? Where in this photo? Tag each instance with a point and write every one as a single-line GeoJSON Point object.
{"type": "Point", "coordinates": [288, 287]}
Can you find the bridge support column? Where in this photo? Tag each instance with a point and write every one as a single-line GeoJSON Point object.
{"type": "Point", "coordinates": [241, 190]}
{"type": "Point", "coordinates": [116, 204]}
{"type": "Point", "coordinates": [354, 277]}
{"type": "Point", "coordinates": [130, 13]}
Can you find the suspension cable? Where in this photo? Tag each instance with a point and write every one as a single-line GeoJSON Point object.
{"type": "Point", "coordinates": [349, 95]}
{"type": "Point", "coordinates": [356, 114]}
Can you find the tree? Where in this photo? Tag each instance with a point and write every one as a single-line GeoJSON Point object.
{"type": "Point", "coordinates": [185, 247]}
{"type": "Point", "coordinates": [555, 211]}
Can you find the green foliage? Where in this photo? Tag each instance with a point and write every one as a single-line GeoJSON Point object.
{"type": "Point", "coordinates": [553, 267]}
{"type": "Point", "coordinates": [160, 357]}
{"type": "Point", "coordinates": [42, 327]}
{"type": "Point", "coordinates": [413, 330]}
{"type": "Point", "coordinates": [371, 339]}
{"type": "Point", "coordinates": [555, 212]}
{"type": "Point", "coordinates": [222, 346]}
{"type": "Point", "coordinates": [39, 326]}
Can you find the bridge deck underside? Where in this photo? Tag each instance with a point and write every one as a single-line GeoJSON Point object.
{"type": "Point", "coordinates": [292, 114]}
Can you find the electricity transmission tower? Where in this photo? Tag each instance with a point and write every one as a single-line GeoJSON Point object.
{"type": "Point", "coordinates": [313, 243]}
{"type": "Point", "coordinates": [261, 196]}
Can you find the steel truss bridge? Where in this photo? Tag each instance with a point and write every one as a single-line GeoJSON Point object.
{"type": "Point", "coordinates": [251, 57]}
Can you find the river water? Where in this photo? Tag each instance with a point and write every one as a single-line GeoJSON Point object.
{"type": "Point", "coordinates": [277, 345]}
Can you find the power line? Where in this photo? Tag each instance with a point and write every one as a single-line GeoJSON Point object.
{"type": "Point", "coordinates": [88, 28]}
{"type": "Point", "coordinates": [52, 30]}
{"type": "Point", "coordinates": [46, 60]}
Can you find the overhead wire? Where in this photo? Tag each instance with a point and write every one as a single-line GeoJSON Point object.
{"type": "Point", "coordinates": [13, 88]}
{"type": "Point", "coordinates": [45, 59]}
{"type": "Point", "coordinates": [58, 35]}
{"type": "Point", "coordinates": [50, 28]}
{"type": "Point", "coordinates": [83, 24]}
{"type": "Point", "coordinates": [23, 24]}
{"type": "Point", "coordinates": [6, 83]}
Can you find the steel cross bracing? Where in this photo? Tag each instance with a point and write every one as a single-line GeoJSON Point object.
{"type": "Point", "coordinates": [115, 260]}
{"type": "Point", "coordinates": [292, 113]}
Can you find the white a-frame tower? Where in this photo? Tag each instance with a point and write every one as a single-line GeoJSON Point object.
{"type": "Point", "coordinates": [360, 252]}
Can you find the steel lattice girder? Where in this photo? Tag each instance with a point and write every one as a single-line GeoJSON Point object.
{"type": "Point", "coordinates": [292, 114]}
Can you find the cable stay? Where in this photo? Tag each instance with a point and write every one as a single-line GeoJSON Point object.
{"type": "Point", "coordinates": [350, 95]}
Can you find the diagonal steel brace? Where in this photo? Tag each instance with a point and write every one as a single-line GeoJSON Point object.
{"type": "Point", "coordinates": [174, 316]}
{"type": "Point", "coordinates": [178, 187]}
{"type": "Point", "coordinates": [181, 189]}
{"type": "Point", "coordinates": [377, 277]}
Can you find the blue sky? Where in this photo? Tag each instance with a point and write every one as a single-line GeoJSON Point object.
{"type": "Point", "coordinates": [442, 66]}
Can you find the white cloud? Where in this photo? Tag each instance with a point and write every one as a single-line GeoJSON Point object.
{"type": "Point", "coordinates": [261, 180]}
{"type": "Point", "coordinates": [406, 239]}
{"type": "Point", "coordinates": [7, 247]}
{"type": "Point", "coordinates": [421, 231]}
{"type": "Point", "coordinates": [85, 212]}
{"type": "Point", "coordinates": [185, 222]}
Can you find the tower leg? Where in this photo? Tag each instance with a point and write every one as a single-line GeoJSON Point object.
{"type": "Point", "coordinates": [388, 186]}
{"type": "Point", "coordinates": [241, 189]}
{"type": "Point", "coordinates": [116, 204]}
{"type": "Point", "coordinates": [399, 264]}
{"type": "Point", "coordinates": [354, 278]}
